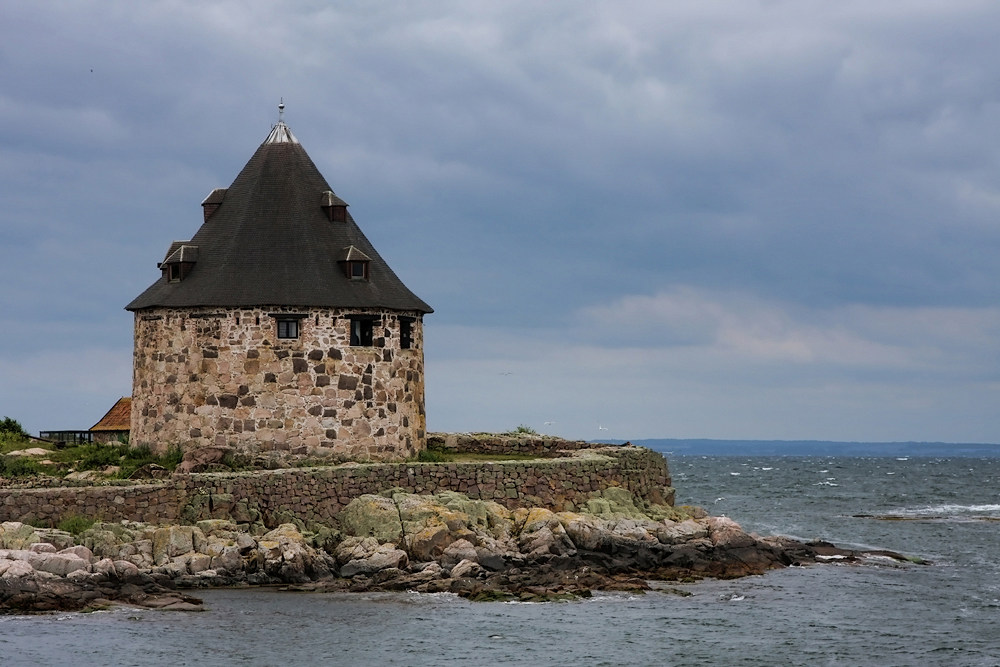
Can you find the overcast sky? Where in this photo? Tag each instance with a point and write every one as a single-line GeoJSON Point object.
{"type": "Point", "coordinates": [719, 219]}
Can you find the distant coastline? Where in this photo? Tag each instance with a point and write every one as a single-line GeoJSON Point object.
{"type": "Point", "coordinates": [706, 447]}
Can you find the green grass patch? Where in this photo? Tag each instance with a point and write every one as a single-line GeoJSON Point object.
{"type": "Point", "coordinates": [97, 456]}
{"type": "Point", "coordinates": [237, 462]}
{"type": "Point", "coordinates": [19, 466]}
{"type": "Point", "coordinates": [523, 429]}
{"type": "Point", "coordinates": [13, 441]}
{"type": "Point", "coordinates": [76, 524]}
{"type": "Point", "coordinates": [432, 456]}
{"type": "Point", "coordinates": [471, 457]}
{"type": "Point", "coordinates": [436, 456]}
{"type": "Point", "coordinates": [89, 456]}
{"type": "Point", "coordinates": [12, 436]}
{"type": "Point", "coordinates": [136, 457]}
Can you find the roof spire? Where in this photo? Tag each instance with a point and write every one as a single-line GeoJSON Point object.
{"type": "Point", "coordinates": [280, 134]}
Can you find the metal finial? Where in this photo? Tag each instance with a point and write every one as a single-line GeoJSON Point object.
{"type": "Point", "coordinates": [281, 110]}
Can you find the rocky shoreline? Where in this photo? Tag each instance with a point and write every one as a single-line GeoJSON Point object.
{"type": "Point", "coordinates": [394, 541]}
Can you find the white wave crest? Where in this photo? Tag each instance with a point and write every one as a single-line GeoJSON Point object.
{"type": "Point", "coordinates": [952, 509]}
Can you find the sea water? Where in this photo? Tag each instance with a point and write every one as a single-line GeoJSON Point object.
{"type": "Point", "coordinates": [879, 613]}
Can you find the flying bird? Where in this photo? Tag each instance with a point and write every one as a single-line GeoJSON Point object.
{"type": "Point", "coordinates": [506, 374]}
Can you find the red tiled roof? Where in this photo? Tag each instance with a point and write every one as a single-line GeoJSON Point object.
{"type": "Point", "coordinates": [119, 417]}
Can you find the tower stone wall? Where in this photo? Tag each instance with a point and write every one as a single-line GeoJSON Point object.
{"type": "Point", "coordinates": [221, 376]}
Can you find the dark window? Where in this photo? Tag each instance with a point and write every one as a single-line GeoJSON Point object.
{"type": "Point", "coordinates": [359, 270]}
{"type": "Point", "coordinates": [405, 334]}
{"type": "Point", "coordinates": [361, 333]}
{"type": "Point", "coordinates": [288, 328]}
{"type": "Point", "coordinates": [175, 271]}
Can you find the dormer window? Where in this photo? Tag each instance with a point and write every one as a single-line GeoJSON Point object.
{"type": "Point", "coordinates": [355, 263]}
{"type": "Point", "coordinates": [358, 270]}
{"type": "Point", "coordinates": [212, 202]}
{"type": "Point", "coordinates": [179, 262]}
{"type": "Point", "coordinates": [334, 207]}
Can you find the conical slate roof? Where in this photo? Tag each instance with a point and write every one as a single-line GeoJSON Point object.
{"type": "Point", "coordinates": [270, 243]}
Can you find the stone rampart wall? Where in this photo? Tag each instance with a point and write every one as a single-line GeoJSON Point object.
{"type": "Point", "coordinates": [318, 494]}
{"type": "Point", "coordinates": [501, 443]}
{"type": "Point", "coordinates": [153, 503]}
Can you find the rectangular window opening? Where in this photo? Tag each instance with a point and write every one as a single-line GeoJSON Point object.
{"type": "Point", "coordinates": [405, 334]}
{"type": "Point", "coordinates": [362, 332]}
{"type": "Point", "coordinates": [288, 328]}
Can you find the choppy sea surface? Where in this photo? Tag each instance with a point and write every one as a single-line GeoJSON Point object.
{"type": "Point", "coordinates": [880, 613]}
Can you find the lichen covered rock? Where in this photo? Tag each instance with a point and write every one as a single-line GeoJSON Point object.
{"type": "Point", "coordinates": [16, 535]}
{"type": "Point", "coordinates": [372, 516]}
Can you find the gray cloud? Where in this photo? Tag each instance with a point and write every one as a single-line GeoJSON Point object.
{"type": "Point", "coordinates": [723, 363]}
{"type": "Point", "coordinates": [524, 165]}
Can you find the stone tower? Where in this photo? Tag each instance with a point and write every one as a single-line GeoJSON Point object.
{"type": "Point", "coordinates": [279, 327]}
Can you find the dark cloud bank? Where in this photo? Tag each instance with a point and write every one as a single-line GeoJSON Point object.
{"type": "Point", "coordinates": [725, 220]}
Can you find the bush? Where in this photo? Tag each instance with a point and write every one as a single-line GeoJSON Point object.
{"type": "Point", "coordinates": [237, 461]}
{"type": "Point", "coordinates": [12, 441]}
{"type": "Point", "coordinates": [13, 427]}
{"type": "Point", "coordinates": [76, 524]}
{"type": "Point", "coordinates": [523, 429]}
{"type": "Point", "coordinates": [431, 456]}
{"type": "Point", "coordinates": [96, 456]}
{"type": "Point", "coordinates": [18, 466]}
{"type": "Point", "coordinates": [134, 458]}
{"type": "Point", "coordinates": [12, 434]}
{"type": "Point", "coordinates": [172, 458]}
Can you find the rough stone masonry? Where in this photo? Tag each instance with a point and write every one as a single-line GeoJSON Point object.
{"type": "Point", "coordinates": [316, 495]}
{"type": "Point", "coordinates": [212, 376]}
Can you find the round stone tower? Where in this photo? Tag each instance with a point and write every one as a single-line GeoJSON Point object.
{"type": "Point", "coordinates": [279, 327]}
